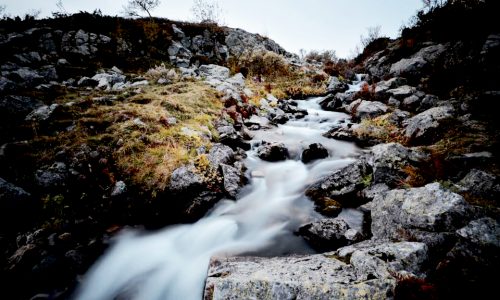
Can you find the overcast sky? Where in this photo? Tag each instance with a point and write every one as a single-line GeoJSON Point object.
{"type": "Point", "coordinates": [294, 24]}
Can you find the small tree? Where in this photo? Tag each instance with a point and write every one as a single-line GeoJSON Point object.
{"type": "Point", "coordinates": [134, 7]}
{"type": "Point", "coordinates": [372, 34]}
{"type": "Point", "coordinates": [207, 11]}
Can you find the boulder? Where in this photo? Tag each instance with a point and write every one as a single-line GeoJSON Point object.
{"type": "Point", "coordinates": [378, 259]}
{"type": "Point", "coordinates": [332, 102]}
{"type": "Point", "coordinates": [313, 152]}
{"type": "Point", "coordinates": [401, 92]}
{"type": "Point", "coordinates": [214, 72]}
{"type": "Point", "coordinates": [185, 179]}
{"type": "Point", "coordinates": [362, 109]}
{"type": "Point", "coordinates": [342, 185]}
{"type": "Point", "coordinates": [428, 125]}
{"type": "Point", "coordinates": [220, 154]}
{"type": "Point", "coordinates": [480, 184]}
{"type": "Point", "coordinates": [400, 214]}
{"type": "Point", "coordinates": [467, 267]}
{"type": "Point", "coordinates": [232, 180]}
{"type": "Point", "coordinates": [292, 277]}
{"type": "Point", "coordinates": [272, 152]}
{"type": "Point", "coordinates": [53, 176]}
{"type": "Point", "coordinates": [26, 77]}
{"type": "Point", "coordinates": [42, 113]}
{"type": "Point", "coordinates": [388, 161]}
{"type": "Point", "coordinates": [325, 234]}
{"type": "Point", "coordinates": [418, 62]}
{"type": "Point", "coordinates": [15, 108]}
{"type": "Point", "coordinates": [336, 86]}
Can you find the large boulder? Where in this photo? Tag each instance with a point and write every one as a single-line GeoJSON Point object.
{"type": "Point", "coordinates": [478, 183]}
{"type": "Point", "coordinates": [220, 154]}
{"type": "Point", "coordinates": [184, 179]}
{"type": "Point", "coordinates": [293, 277]}
{"type": "Point", "coordinates": [401, 214]}
{"type": "Point", "coordinates": [362, 109]}
{"type": "Point", "coordinates": [389, 160]}
{"type": "Point", "coordinates": [325, 234]}
{"type": "Point", "coordinates": [313, 152]}
{"type": "Point", "coordinates": [272, 152]}
{"type": "Point", "coordinates": [428, 126]}
{"type": "Point", "coordinates": [336, 86]}
{"type": "Point", "coordinates": [418, 62]}
{"type": "Point", "coordinates": [342, 185]}
{"type": "Point", "coordinates": [466, 271]}
{"type": "Point", "coordinates": [231, 180]}
{"type": "Point", "coordinates": [214, 72]}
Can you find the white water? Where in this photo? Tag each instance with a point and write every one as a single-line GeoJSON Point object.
{"type": "Point", "coordinates": [172, 263]}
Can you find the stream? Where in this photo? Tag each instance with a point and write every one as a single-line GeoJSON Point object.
{"type": "Point", "coordinates": [172, 263]}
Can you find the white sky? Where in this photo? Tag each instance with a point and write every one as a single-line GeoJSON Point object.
{"type": "Point", "coordinates": [294, 24]}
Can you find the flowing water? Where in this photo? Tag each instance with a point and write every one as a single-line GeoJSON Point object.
{"type": "Point", "coordinates": [172, 263]}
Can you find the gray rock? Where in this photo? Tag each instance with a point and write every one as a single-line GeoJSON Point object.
{"type": "Point", "coordinates": [52, 176]}
{"type": "Point", "coordinates": [272, 152]}
{"type": "Point", "coordinates": [86, 81]}
{"type": "Point", "coordinates": [220, 154]}
{"type": "Point", "coordinates": [342, 185]}
{"type": "Point", "coordinates": [232, 180]}
{"type": "Point", "coordinates": [388, 160]}
{"type": "Point", "coordinates": [483, 232]}
{"type": "Point", "coordinates": [427, 126]}
{"type": "Point", "coordinates": [325, 234]}
{"type": "Point", "coordinates": [382, 87]}
{"type": "Point", "coordinates": [42, 113]}
{"type": "Point", "coordinates": [184, 179]}
{"type": "Point", "coordinates": [119, 189]}
{"type": "Point", "coordinates": [397, 117]}
{"type": "Point", "coordinates": [214, 72]}
{"type": "Point", "coordinates": [313, 152]}
{"type": "Point", "coordinates": [16, 108]}
{"type": "Point", "coordinates": [402, 92]}
{"type": "Point", "coordinates": [416, 64]}
{"type": "Point", "coordinates": [107, 80]}
{"type": "Point", "coordinates": [427, 102]}
{"type": "Point", "coordinates": [491, 44]}
{"type": "Point", "coordinates": [362, 109]}
{"type": "Point", "coordinates": [480, 184]}
{"type": "Point", "coordinates": [294, 277]}
{"type": "Point", "coordinates": [26, 77]}
{"type": "Point", "coordinates": [376, 189]}
{"type": "Point", "coordinates": [336, 86]}
{"type": "Point", "coordinates": [397, 213]}
{"type": "Point", "coordinates": [7, 85]}
{"type": "Point", "coordinates": [376, 259]}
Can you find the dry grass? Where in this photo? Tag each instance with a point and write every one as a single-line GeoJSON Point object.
{"type": "Point", "coordinates": [380, 129]}
{"type": "Point", "coordinates": [145, 147]}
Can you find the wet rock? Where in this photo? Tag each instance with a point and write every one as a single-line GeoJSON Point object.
{"type": "Point", "coordinates": [220, 154]}
{"type": "Point", "coordinates": [232, 180]}
{"type": "Point", "coordinates": [272, 152]}
{"type": "Point", "coordinates": [428, 125]}
{"type": "Point", "coordinates": [293, 277]}
{"type": "Point", "coordinates": [313, 152]}
{"type": "Point", "coordinates": [280, 119]}
{"type": "Point", "coordinates": [184, 179]}
{"type": "Point", "coordinates": [342, 185]}
{"type": "Point", "coordinates": [362, 109]}
{"type": "Point", "coordinates": [325, 234]}
{"type": "Point", "coordinates": [480, 184]}
{"type": "Point", "coordinates": [397, 213]}
{"type": "Point", "coordinates": [332, 102]}
{"type": "Point", "coordinates": [388, 161]}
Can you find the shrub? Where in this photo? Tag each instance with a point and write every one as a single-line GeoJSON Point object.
{"type": "Point", "coordinates": [260, 63]}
